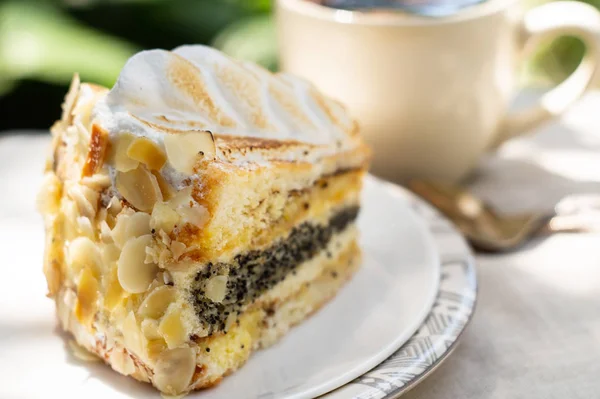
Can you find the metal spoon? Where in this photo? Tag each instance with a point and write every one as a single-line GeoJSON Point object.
{"type": "Point", "coordinates": [490, 231]}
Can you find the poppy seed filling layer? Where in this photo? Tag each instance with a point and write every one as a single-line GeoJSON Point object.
{"type": "Point", "coordinates": [252, 273]}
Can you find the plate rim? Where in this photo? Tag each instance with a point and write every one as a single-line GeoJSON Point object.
{"type": "Point", "coordinates": [370, 385]}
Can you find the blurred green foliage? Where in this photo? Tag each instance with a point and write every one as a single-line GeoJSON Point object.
{"type": "Point", "coordinates": [554, 60]}
{"type": "Point", "coordinates": [48, 40]}
{"type": "Point", "coordinates": [38, 41]}
{"type": "Point", "coordinates": [43, 42]}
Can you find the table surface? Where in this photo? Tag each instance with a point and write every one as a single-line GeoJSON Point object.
{"type": "Point", "coordinates": [536, 330]}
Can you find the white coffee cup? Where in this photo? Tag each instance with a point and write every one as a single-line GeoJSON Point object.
{"type": "Point", "coordinates": [432, 95]}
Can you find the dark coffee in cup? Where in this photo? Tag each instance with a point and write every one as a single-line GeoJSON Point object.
{"type": "Point", "coordinates": [424, 7]}
{"type": "Point", "coordinates": [366, 4]}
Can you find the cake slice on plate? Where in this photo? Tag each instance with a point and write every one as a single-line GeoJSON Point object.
{"type": "Point", "coordinates": [196, 211]}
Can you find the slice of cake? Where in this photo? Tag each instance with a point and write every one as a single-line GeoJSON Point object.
{"type": "Point", "coordinates": [195, 212]}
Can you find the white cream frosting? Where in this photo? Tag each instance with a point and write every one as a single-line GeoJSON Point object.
{"type": "Point", "coordinates": [199, 88]}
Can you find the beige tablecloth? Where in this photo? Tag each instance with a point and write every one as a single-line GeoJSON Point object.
{"type": "Point", "coordinates": [536, 331]}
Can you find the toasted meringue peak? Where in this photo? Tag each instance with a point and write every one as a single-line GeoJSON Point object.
{"type": "Point", "coordinates": [199, 88]}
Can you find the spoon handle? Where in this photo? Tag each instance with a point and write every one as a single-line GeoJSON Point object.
{"type": "Point", "coordinates": [575, 214]}
{"type": "Point", "coordinates": [581, 223]}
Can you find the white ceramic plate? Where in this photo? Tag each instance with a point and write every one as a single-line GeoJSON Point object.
{"type": "Point", "coordinates": [439, 334]}
{"type": "Point", "coordinates": [377, 312]}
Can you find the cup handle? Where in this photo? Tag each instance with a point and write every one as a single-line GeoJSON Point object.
{"type": "Point", "coordinates": [549, 21]}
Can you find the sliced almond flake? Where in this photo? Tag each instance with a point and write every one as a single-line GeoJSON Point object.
{"type": "Point", "coordinates": [144, 150]}
{"type": "Point", "coordinates": [114, 206]}
{"type": "Point", "coordinates": [139, 187]}
{"type": "Point", "coordinates": [174, 370]}
{"type": "Point", "coordinates": [85, 227]}
{"type": "Point", "coordinates": [164, 237]}
{"type": "Point", "coordinates": [82, 353]}
{"type": "Point", "coordinates": [87, 297]}
{"type": "Point", "coordinates": [185, 149]}
{"type": "Point", "coordinates": [118, 153]}
{"type": "Point", "coordinates": [83, 133]}
{"type": "Point", "coordinates": [102, 215]}
{"type": "Point", "coordinates": [120, 233]}
{"type": "Point", "coordinates": [70, 298]}
{"type": "Point", "coordinates": [157, 302]}
{"type": "Point", "coordinates": [150, 329]}
{"type": "Point", "coordinates": [165, 396]}
{"type": "Point", "coordinates": [216, 288]}
{"type": "Point", "coordinates": [122, 362]}
{"type": "Point", "coordinates": [91, 195]}
{"type": "Point", "coordinates": [69, 211]}
{"type": "Point", "coordinates": [114, 293]}
{"type": "Point", "coordinates": [164, 217]}
{"type": "Point", "coordinates": [138, 224]}
{"type": "Point", "coordinates": [48, 199]}
{"type": "Point", "coordinates": [71, 99]}
{"type": "Point", "coordinates": [135, 275]}
{"type": "Point", "coordinates": [85, 207]}
{"type": "Point", "coordinates": [135, 341]}
{"type": "Point", "coordinates": [190, 211]}
{"type": "Point", "coordinates": [82, 252]}
{"type": "Point", "coordinates": [105, 235]}
{"type": "Point", "coordinates": [152, 255]}
{"type": "Point", "coordinates": [98, 181]}
{"type": "Point", "coordinates": [83, 109]}
{"type": "Point", "coordinates": [178, 249]}
{"type": "Point", "coordinates": [64, 315]}
{"type": "Point", "coordinates": [110, 254]}
{"type": "Point", "coordinates": [165, 257]}
{"type": "Point", "coordinates": [165, 188]}
{"type": "Point", "coordinates": [172, 327]}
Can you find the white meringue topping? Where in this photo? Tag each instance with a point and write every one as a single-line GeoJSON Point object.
{"type": "Point", "coordinates": [198, 88]}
